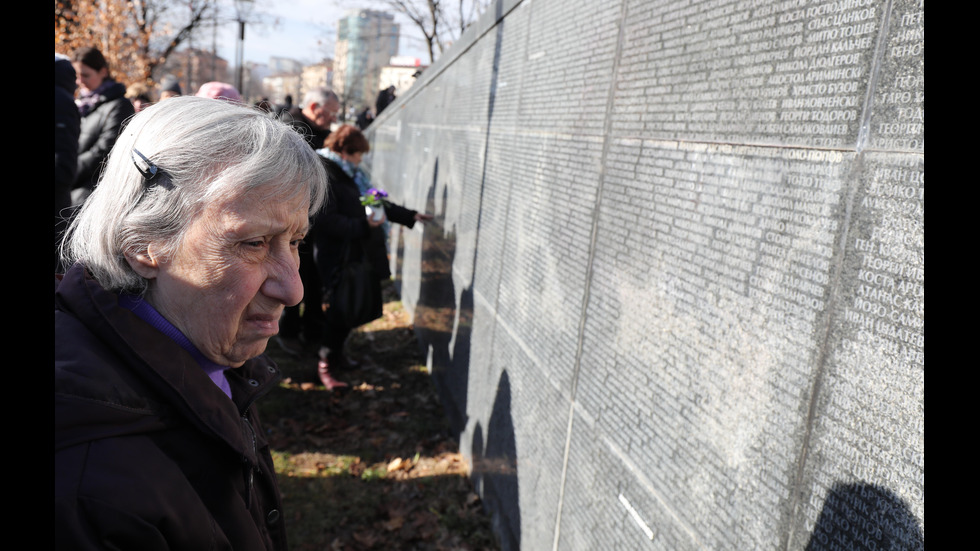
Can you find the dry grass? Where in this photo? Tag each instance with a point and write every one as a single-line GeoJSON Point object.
{"type": "Point", "coordinates": [373, 467]}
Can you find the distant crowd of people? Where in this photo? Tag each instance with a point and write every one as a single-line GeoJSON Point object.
{"type": "Point", "coordinates": [189, 231]}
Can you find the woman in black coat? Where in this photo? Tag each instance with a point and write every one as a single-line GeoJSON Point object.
{"type": "Point", "coordinates": [104, 109]}
{"type": "Point", "coordinates": [343, 231]}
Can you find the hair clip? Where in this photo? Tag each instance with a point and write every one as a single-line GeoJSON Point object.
{"type": "Point", "coordinates": [151, 171]}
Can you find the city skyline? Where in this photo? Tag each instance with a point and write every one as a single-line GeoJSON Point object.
{"type": "Point", "coordinates": [308, 39]}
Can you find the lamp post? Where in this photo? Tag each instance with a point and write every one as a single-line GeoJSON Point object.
{"type": "Point", "coordinates": [243, 8]}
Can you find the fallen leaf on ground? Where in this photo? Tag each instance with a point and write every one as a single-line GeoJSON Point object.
{"type": "Point", "coordinates": [394, 524]}
{"type": "Point", "coordinates": [366, 538]}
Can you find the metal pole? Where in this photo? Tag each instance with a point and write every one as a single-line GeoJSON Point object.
{"type": "Point", "coordinates": [240, 55]}
{"type": "Point", "coordinates": [214, 51]}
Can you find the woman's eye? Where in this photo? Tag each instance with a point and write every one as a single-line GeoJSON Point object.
{"type": "Point", "coordinates": [255, 244]}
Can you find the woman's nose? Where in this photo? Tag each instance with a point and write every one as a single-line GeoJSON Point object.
{"type": "Point", "coordinates": [283, 282]}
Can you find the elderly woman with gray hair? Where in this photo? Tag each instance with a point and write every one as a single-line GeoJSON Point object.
{"type": "Point", "coordinates": [182, 261]}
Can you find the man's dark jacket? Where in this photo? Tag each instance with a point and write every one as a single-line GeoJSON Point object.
{"type": "Point", "coordinates": [149, 452]}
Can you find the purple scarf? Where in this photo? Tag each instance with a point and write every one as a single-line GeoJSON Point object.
{"type": "Point", "coordinates": [88, 101]}
{"type": "Point", "coordinates": [149, 314]}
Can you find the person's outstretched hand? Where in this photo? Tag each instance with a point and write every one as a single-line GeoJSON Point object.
{"type": "Point", "coordinates": [375, 223]}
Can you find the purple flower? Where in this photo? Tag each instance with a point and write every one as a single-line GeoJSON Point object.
{"type": "Point", "coordinates": [374, 196]}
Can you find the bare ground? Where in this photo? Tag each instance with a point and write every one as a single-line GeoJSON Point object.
{"type": "Point", "coordinates": [373, 467]}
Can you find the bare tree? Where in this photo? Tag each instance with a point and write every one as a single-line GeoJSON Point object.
{"type": "Point", "coordinates": [428, 16]}
{"type": "Point", "coordinates": [135, 36]}
{"type": "Point", "coordinates": [439, 23]}
{"type": "Point", "coordinates": [469, 12]}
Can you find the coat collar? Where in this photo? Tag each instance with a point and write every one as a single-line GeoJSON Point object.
{"type": "Point", "coordinates": [176, 383]}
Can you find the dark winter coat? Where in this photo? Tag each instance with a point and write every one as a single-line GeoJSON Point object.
{"type": "Point", "coordinates": [100, 128]}
{"type": "Point", "coordinates": [67, 127]}
{"type": "Point", "coordinates": [385, 97]}
{"type": "Point", "coordinates": [149, 452]}
{"type": "Point", "coordinates": [342, 223]}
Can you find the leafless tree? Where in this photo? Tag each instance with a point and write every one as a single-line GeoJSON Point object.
{"type": "Point", "coordinates": [135, 36]}
{"type": "Point", "coordinates": [438, 21]}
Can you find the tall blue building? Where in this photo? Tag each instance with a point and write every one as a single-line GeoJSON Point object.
{"type": "Point", "coordinates": [366, 40]}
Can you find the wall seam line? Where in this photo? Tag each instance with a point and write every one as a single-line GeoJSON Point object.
{"type": "Point", "coordinates": [817, 387]}
{"type": "Point", "coordinates": [586, 295]}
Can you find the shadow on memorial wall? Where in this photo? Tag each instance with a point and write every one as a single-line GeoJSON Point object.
{"type": "Point", "coordinates": [495, 468]}
{"type": "Point", "coordinates": [865, 517]}
{"type": "Point", "coordinates": [442, 327]}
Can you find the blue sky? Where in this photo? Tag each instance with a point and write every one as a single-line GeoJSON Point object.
{"type": "Point", "coordinates": [300, 29]}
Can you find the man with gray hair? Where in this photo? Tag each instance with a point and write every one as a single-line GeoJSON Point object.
{"type": "Point", "coordinates": [300, 330]}
{"type": "Point", "coordinates": [317, 112]}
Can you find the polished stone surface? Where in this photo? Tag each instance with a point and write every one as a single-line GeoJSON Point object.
{"type": "Point", "coordinates": [672, 296]}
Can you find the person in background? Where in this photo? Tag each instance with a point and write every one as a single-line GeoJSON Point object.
{"type": "Point", "coordinates": [181, 263]}
{"type": "Point", "coordinates": [315, 115]}
{"type": "Point", "coordinates": [67, 126]}
{"type": "Point", "coordinates": [265, 105]}
{"type": "Point", "coordinates": [302, 325]}
{"type": "Point", "coordinates": [139, 95]}
{"type": "Point", "coordinates": [219, 90]}
{"type": "Point", "coordinates": [341, 224]}
{"type": "Point", "coordinates": [364, 118]}
{"type": "Point", "coordinates": [169, 87]}
{"type": "Point", "coordinates": [104, 109]}
{"type": "Point", "coordinates": [385, 97]}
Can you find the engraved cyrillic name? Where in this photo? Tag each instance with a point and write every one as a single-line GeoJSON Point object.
{"type": "Point", "coordinates": [898, 117]}
{"type": "Point", "coordinates": [789, 72]}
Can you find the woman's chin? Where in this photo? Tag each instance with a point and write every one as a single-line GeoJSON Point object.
{"type": "Point", "coordinates": [243, 351]}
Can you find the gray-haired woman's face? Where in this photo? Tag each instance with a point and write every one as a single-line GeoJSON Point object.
{"type": "Point", "coordinates": [235, 271]}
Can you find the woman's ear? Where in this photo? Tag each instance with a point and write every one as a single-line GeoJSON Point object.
{"type": "Point", "coordinates": [146, 264]}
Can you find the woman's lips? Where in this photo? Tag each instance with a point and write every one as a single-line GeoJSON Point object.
{"type": "Point", "coordinates": [266, 324]}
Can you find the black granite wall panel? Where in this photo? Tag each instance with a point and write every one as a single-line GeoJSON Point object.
{"type": "Point", "coordinates": [672, 296]}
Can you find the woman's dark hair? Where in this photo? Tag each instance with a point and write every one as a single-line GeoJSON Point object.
{"type": "Point", "coordinates": [91, 57]}
{"type": "Point", "coordinates": [347, 139]}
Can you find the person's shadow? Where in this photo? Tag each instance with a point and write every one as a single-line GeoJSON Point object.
{"type": "Point", "coordinates": [865, 517]}
{"type": "Point", "coordinates": [442, 325]}
{"type": "Point", "coordinates": [495, 468]}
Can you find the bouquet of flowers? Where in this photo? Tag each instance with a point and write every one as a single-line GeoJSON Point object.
{"type": "Point", "coordinates": [374, 198]}
{"type": "Point", "coordinates": [374, 203]}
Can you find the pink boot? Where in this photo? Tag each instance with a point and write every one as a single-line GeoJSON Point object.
{"type": "Point", "coordinates": [328, 381]}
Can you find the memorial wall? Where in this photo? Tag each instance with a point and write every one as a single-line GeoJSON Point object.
{"type": "Point", "coordinates": [672, 297]}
